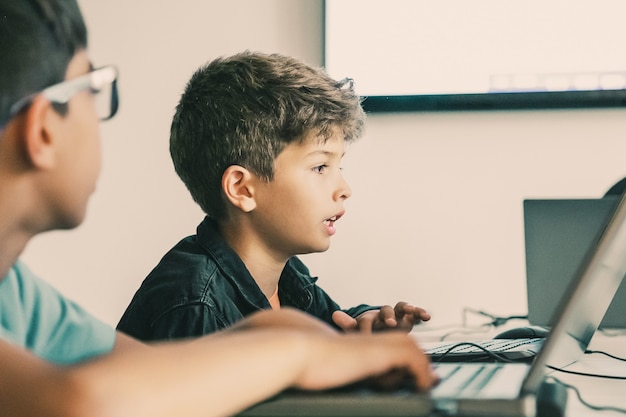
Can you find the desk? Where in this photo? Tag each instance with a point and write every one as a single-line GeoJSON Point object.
{"type": "Point", "coordinates": [596, 391]}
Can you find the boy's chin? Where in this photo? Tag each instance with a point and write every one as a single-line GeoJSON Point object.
{"type": "Point", "coordinates": [69, 221]}
{"type": "Point", "coordinates": [315, 249]}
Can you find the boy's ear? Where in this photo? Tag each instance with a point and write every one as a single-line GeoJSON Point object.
{"type": "Point", "coordinates": [38, 141]}
{"type": "Point", "coordinates": [238, 187]}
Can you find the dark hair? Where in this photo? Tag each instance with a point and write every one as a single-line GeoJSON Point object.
{"type": "Point", "coordinates": [244, 109]}
{"type": "Point", "coordinates": [38, 38]}
{"type": "Point", "coordinates": [617, 188]}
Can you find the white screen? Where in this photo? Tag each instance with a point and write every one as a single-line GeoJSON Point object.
{"type": "Point", "coordinates": [430, 47]}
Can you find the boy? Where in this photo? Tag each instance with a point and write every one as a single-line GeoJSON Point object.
{"type": "Point", "coordinates": [258, 141]}
{"type": "Point", "coordinates": [56, 359]}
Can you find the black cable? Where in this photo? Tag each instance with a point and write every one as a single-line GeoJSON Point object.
{"type": "Point", "coordinates": [605, 354]}
{"type": "Point", "coordinates": [493, 355]}
{"type": "Point", "coordinates": [495, 320]}
{"type": "Point", "coordinates": [567, 371]}
{"type": "Point", "coordinates": [577, 392]}
{"type": "Point", "coordinates": [501, 358]}
{"type": "Point", "coordinates": [584, 402]}
{"type": "Point", "coordinates": [568, 386]}
{"type": "Point", "coordinates": [484, 328]}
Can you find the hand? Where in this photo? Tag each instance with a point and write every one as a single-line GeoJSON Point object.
{"type": "Point", "coordinates": [401, 317]}
{"type": "Point", "coordinates": [334, 359]}
{"type": "Point", "coordinates": [383, 360]}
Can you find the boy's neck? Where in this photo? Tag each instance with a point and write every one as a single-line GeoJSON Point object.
{"type": "Point", "coordinates": [14, 235]}
{"type": "Point", "coordinates": [264, 266]}
{"type": "Point", "coordinates": [12, 244]}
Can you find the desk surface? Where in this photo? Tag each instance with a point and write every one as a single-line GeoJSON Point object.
{"type": "Point", "coordinates": [597, 391]}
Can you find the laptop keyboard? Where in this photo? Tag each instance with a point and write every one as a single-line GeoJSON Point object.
{"type": "Point", "coordinates": [493, 345]}
{"type": "Point", "coordinates": [470, 377]}
{"type": "Point", "coordinates": [479, 380]}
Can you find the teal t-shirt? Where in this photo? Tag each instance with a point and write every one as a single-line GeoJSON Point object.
{"type": "Point", "coordinates": [37, 317]}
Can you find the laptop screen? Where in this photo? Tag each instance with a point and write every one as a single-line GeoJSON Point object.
{"type": "Point", "coordinates": [559, 233]}
{"type": "Point", "coordinates": [586, 299]}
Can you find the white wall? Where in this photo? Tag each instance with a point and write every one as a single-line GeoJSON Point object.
{"type": "Point", "coordinates": [435, 217]}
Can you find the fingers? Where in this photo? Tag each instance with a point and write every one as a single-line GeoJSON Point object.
{"type": "Point", "coordinates": [344, 321]}
{"type": "Point", "coordinates": [423, 370]}
{"type": "Point", "coordinates": [387, 358]}
{"type": "Point", "coordinates": [401, 317]}
{"type": "Point", "coordinates": [403, 308]}
{"type": "Point", "coordinates": [411, 362]}
{"type": "Point", "coordinates": [387, 316]}
{"type": "Point", "coordinates": [409, 314]}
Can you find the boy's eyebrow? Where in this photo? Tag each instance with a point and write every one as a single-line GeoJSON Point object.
{"type": "Point", "coordinates": [323, 152]}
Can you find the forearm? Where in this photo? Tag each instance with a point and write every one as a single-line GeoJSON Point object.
{"type": "Point", "coordinates": [224, 373]}
{"type": "Point", "coordinates": [213, 376]}
{"type": "Point", "coordinates": [216, 375]}
{"type": "Point", "coordinates": [287, 318]}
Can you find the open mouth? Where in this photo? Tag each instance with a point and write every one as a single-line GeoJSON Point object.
{"type": "Point", "coordinates": [330, 222]}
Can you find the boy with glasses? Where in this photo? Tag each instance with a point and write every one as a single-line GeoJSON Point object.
{"type": "Point", "coordinates": [55, 358]}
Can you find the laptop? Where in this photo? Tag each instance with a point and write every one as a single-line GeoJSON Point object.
{"type": "Point", "coordinates": [489, 389]}
{"type": "Point", "coordinates": [558, 235]}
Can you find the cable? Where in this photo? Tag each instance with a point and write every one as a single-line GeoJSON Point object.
{"type": "Point", "coordinates": [584, 402]}
{"type": "Point", "coordinates": [500, 358]}
{"type": "Point", "coordinates": [568, 386]}
{"type": "Point", "coordinates": [606, 354]}
{"type": "Point", "coordinates": [484, 328]}
{"type": "Point", "coordinates": [493, 355]}
{"type": "Point", "coordinates": [567, 371]}
{"type": "Point", "coordinates": [495, 320]}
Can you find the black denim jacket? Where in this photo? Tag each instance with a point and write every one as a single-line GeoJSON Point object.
{"type": "Point", "coordinates": [201, 286]}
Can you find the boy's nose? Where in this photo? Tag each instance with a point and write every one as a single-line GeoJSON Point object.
{"type": "Point", "coordinates": [343, 190]}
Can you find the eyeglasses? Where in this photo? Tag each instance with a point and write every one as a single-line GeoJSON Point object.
{"type": "Point", "coordinates": [101, 81]}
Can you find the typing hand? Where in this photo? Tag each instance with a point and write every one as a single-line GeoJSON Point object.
{"type": "Point", "coordinates": [401, 317]}
{"type": "Point", "coordinates": [383, 360]}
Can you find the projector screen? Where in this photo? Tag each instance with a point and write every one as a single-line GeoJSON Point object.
{"type": "Point", "coordinates": [478, 54]}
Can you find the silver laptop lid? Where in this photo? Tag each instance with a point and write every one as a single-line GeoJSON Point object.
{"type": "Point", "coordinates": [586, 300]}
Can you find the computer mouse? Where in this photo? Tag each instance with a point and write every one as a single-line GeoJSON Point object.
{"type": "Point", "coordinates": [529, 331]}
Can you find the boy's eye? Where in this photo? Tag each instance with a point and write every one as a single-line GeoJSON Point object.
{"type": "Point", "coordinates": [320, 168]}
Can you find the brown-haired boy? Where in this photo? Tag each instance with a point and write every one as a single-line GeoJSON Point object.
{"type": "Point", "coordinates": [258, 139]}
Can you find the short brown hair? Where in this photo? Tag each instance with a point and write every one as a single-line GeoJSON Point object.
{"type": "Point", "coordinates": [244, 109]}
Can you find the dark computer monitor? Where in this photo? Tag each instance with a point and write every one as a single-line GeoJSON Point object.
{"type": "Point", "coordinates": [559, 234]}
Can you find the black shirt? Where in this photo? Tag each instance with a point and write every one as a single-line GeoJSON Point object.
{"type": "Point", "coordinates": [201, 286]}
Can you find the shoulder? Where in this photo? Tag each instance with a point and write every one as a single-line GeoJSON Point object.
{"type": "Point", "coordinates": [39, 318]}
{"type": "Point", "coordinates": [183, 277]}
{"type": "Point", "coordinates": [186, 266]}
{"type": "Point", "coordinates": [20, 287]}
